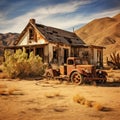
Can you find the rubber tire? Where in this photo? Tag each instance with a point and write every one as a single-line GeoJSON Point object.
{"type": "Point", "coordinates": [49, 76]}
{"type": "Point", "coordinates": [77, 78]}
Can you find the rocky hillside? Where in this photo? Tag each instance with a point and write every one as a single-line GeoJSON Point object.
{"type": "Point", "coordinates": [103, 32]}
{"type": "Point", "coordinates": [7, 39]}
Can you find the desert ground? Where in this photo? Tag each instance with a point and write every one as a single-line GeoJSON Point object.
{"type": "Point", "coordinates": [56, 100]}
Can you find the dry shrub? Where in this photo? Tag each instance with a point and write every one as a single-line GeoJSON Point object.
{"type": "Point", "coordinates": [10, 91]}
{"type": "Point", "coordinates": [19, 65]}
{"type": "Point", "coordinates": [81, 100]}
{"type": "Point", "coordinates": [98, 106]}
{"type": "Point", "coordinates": [89, 103]}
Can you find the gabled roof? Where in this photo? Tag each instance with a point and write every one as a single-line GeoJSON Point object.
{"type": "Point", "coordinates": [55, 35]}
{"type": "Point", "coordinates": [60, 36]}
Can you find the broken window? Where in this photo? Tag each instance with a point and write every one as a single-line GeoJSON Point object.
{"type": "Point", "coordinates": [31, 34]}
{"type": "Point", "coordinates": [85, 54]}
{"type": "Point", "coordinates": [55, 55]}
{"type": "Point", "coordinates": [99, 58]}
{"type": "Point", "coordinates": [70, 62]}
{"type": "Point", "coordinates": [85, 57]}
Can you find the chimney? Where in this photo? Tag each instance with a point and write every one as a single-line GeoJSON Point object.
{"type": "Point", "coordinates": [32, 21]}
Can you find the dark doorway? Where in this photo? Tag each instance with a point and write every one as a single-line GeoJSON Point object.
{"type": "Point", "coordinates": [65, 55]}
{"type": "Point", "coordinates": [40, 52]}
{"type": "Point", "coordinates": [28, 51]}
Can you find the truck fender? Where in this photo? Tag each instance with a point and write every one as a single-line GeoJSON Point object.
{"type": "Point", "coordinates": [103, 73]}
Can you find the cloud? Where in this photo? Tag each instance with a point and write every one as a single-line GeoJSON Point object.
{"type": "Point", "coordinates": [43, 13]}
{"type": "Point", "coordinates": [106, 13]}
{"type": "Point", "coordinates": [64, 7]}
{"type": "Point", "coordinates": [62, 16]}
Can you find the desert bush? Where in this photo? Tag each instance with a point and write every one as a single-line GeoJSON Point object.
{"type": "Point", "coordinates": [89, 103]}
{"type": "Point", "coordinates": [10, 91]}
{"type": "Point", "coordinates": [18, 64]}
{"type": "Point", "coordinates": [83, 101]}
{"type": "Point", "coordinates": [114, 60]}
{"type": "Point", "coordinates": [98, 106]}
{"type": "Point", "coordinates": [79, 99]}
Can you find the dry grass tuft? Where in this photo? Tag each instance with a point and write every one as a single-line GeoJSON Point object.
{"type": "Point", "coordinates": [89, 103]}
{"type": "Point", "coordinates": [81, 100]}
{"type": "Point", "coordinates": [10, 91]}
{"type": "Point", "coordinates": [98, 106]}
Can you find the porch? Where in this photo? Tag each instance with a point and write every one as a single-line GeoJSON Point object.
{"type": "Point", "coordinates": [40, 50]}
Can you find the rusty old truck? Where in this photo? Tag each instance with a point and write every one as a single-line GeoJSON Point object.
{"type": "Point", "coordinates": [77, 72]}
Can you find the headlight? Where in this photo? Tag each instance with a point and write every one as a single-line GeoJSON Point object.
{"type": "Point", "coordinates": [100, 72]}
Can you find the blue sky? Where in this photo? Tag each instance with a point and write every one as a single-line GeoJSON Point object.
{"type": "Point", "coordinates": [64, 14]}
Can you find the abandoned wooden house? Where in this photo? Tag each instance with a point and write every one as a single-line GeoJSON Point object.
{"type": "Point", "coordinates": [55, 45]}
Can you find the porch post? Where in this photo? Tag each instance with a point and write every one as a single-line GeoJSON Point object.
{"type": "Point", "coordinates": [34, 50]}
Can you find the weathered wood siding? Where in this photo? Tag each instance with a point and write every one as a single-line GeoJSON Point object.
{"type": "Point", "coordinates": [24, 39]}
{"type": "Point", "coordinates": [60, 52]}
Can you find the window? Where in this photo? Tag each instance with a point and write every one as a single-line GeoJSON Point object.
{"type": "Point", "coordinates": [70, 62]}
{"type": "Point", "coordinates": [78, 62]}
{"type": "Point", "coordinates": [55, 54]}
{"type": "Point", "coordinates": [31, 34]}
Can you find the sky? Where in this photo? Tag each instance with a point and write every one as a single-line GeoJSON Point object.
{"type": "Point", "coordinates": [63, 14]}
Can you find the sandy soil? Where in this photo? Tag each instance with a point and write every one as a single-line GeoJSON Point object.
{"type": "Point", "coordinates": [53, 100]}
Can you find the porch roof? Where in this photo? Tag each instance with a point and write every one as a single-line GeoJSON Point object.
{"type": "Point", "coordinates": [26, 46]}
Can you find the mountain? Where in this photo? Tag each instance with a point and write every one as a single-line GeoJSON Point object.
{"type": "Point", "coordinates": [7, 39]}
{"type": "Point", "coordinates": [103, 32]}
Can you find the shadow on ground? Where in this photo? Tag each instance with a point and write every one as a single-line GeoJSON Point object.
{"type": "Point", "coordinates": [110, 84]}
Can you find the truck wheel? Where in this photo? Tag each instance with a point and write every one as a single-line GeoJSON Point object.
{"type": "Point", "coordinates": [49, 75]}
{"type": "Point", "coordinates": [77, 78]}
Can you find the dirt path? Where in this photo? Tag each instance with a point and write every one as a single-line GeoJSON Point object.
{"type": "Point", "coordinates": [52, 100]}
